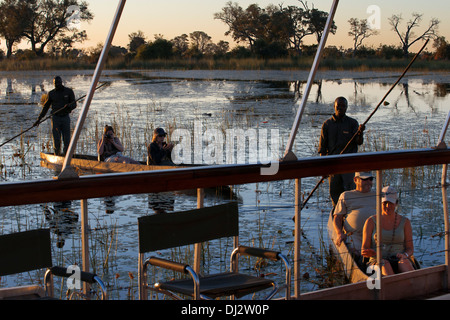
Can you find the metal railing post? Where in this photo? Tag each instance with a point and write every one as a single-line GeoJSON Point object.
{"type": "Point", "coordinates": [444, 186]}
{"type": "Point", "coordinates": [298, 237]}
{"type": "Point", "coordinates": [85, 243]}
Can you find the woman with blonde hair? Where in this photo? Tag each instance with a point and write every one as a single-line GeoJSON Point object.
{"type": "Point", "coordinates": [396, 243]}
{"type": "Point", "coordinates": [109, 148]}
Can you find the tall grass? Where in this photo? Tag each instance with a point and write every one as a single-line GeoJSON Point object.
{"type": "Point", "coordinates": [289, 63]}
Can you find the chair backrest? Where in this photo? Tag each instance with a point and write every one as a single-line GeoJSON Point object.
{"type": "Point", "coordinates": [169, 230]}
{"type": "Point", "coordinates": [25, 251]}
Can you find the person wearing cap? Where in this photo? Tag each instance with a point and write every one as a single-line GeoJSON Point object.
{"type": "Point", "coordinates": [109, 148]}
{"type": "Point", "coordinates": [352, 210]}
{"type": "Point", "coordinates": [159, 151]}
{"type": "Point", "coordinates": [396, 237]}
{"type": "Point", "coordinates": [336, 133]}
{"type": "Point", "coordinates": [62, 100]}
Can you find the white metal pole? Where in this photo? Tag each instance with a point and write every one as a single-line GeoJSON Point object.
{"type": "Point", "coordinates": [312, 74]}
{"type": "Point", "coordinates": [67, 171]}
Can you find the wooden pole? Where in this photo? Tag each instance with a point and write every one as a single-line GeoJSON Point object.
{"type": "Point", "coordinates": [198, 246]}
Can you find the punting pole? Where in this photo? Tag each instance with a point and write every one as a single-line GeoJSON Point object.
{"type": "Point", "coordinates": [67, 170]}
{"type": "Point", "coordinates": [288, 155]}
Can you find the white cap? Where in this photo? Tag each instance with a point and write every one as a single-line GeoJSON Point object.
{"type": "Point", "coordinates": [364, 175]}
{"type": "Point", "coordinates": [389, 194]}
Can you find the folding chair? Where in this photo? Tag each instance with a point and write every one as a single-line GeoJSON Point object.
{"type": "Point", "coordinates": [163, 231]}
{"type": "Point", "coordinates": [31, 250]}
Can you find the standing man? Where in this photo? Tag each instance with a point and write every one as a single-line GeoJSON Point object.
{"type": "Point", "coordinates": [62, 101]}
{"type": "Point", "coordinates": [336, 133]}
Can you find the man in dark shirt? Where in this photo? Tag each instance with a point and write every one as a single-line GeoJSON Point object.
{"type": "Point", "coordinates": [336, 133]}
{"type": "Point", "coordinates": [62, 101]}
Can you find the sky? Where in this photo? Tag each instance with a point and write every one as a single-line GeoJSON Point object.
{"type": "Point", "coordinates": [172, 18]}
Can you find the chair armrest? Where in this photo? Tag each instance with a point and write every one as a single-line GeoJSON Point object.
{"type": "Point", "coordinates": [167, 264]}
{"type": "Point", "coordinates": [84, 276]}
{"type": "Point", "coordinates": [178, 267]}
{"type": "Point", "coordinates": [259, 252]}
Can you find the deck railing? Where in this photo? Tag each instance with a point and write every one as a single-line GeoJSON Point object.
{"type": "Point", "coordinates": [97, 186]}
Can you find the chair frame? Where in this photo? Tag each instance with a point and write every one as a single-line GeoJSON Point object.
{"type": "Point", "coordinates": [214, 222]}
{"type": "Point", "coordinates": [31, 250]}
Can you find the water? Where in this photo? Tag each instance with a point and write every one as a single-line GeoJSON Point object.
{"type": "Point", "coordinates": [138, 101]}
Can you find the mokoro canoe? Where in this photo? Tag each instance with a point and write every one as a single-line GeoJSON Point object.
{"type": "Point", "coordinates": [352, 270]}
{"type": "Point", "coordinates": [91, 164]}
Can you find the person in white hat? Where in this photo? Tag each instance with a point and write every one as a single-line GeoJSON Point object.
{"type": "Point", "coordinates": [352, 210]}
{"type": "Point", "coordinates": [396, 237]}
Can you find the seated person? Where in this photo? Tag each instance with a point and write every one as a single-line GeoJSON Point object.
{"type": "Point", "coordinates": [352, 210]}
{"type": "Point", "coordinates": [159, 151]}
{"type": "Point", "coordinates": [396, 243]}
{"type": "Point", "coordinates": [110, 149]}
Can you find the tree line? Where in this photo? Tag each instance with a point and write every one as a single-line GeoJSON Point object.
{"type": "Point", "coordinates": [275, 31]}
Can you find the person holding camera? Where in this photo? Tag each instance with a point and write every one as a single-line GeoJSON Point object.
{"type": "Point", "coordinates": [159, 151]}
{"type": "Point", "coordinates": [109, 148]}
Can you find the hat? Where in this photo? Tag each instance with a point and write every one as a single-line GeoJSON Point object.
{"type": "Point", "coordinates": [363, 175]}
{"type": "Point", "coordinates": [160, 132]}
{"type": "Point", "coordinates": [389, 194]}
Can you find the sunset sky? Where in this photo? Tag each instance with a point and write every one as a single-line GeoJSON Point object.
{"type": "Point", "coordinates": [175, 17]}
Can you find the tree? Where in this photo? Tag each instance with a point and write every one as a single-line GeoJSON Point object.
{"type": "Point", "coordinates": [317, 20]}
{"type": "Point", "coordinates": [49, 18]}
{"type": "Point", "coordinates": [359, 30]}
{"type": "Point", "coordinates": [407, 37]}
{"type": "Point", "coordinates": [442, 48]}
{"type": "Point", "coordinates": [137, 39]}
{"type": "Point", "coordinates": [241, 23]}
{"type": "Point", "coordinates": [199, 41]}
{"type": "Point", "coordinates": [158, 49]}
{"type": "Point", "coordinates": [180, 44]}
{"type": "Point", "coordinates": [14, 17]}
{"type": "Point", "coordinates": [276, 27]}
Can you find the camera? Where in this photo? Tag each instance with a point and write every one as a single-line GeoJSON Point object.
{"type": "Point", "coordinates": [108, 135]}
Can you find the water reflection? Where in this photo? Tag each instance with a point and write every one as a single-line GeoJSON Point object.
{"type": "Point", "coordinates": [61, 220]}
{"type": "Point", "coordinates": [141, 101]}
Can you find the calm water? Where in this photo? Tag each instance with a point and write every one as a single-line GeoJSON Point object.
{"type": "Point", "coordinates": [137, 102]}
